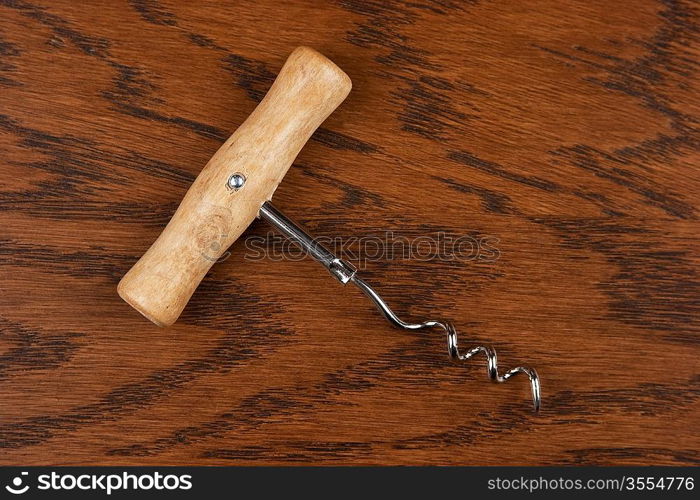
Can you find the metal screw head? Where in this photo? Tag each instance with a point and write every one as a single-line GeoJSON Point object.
{"type": "Point", "coordinates": [236, 181]}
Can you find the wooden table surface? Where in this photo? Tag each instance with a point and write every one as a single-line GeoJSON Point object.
{"type": "Point", "coordinates": [565, 133]}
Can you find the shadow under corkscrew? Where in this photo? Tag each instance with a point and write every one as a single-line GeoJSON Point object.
{"type": "Point", "coordinates": [345, 272]}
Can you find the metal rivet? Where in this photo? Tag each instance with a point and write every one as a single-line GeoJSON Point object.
{"type": "Point", "coordinates": [236, 181]}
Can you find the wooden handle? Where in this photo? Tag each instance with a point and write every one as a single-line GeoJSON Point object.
{"type": "Point", "coordinates": [212, 215]}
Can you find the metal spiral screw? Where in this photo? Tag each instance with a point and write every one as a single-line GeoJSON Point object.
{"type": "Point", "coordinates": [492, 367]}
{"type": "Point", "coordinates": [346, 273]}
{"type": "Point", "coordinates": [452, 346]}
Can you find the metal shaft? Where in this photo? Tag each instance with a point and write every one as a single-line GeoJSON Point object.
{"type": "Point", "coordinates": [343, 271]}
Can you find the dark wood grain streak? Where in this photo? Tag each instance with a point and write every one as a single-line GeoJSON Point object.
{"type": "Point", "coordinates": [566, 133]}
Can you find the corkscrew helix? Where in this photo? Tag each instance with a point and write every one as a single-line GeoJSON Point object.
{"type": "Point", "coordinates": [345, 272]}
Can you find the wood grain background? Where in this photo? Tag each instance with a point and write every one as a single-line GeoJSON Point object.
{"type": "Point", "coordinates": [566, 129]}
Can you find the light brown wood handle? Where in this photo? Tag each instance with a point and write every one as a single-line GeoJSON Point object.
{"type": "Point", "coordinates": [212, 215]}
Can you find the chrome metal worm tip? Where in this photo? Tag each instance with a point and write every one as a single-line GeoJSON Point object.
{"type": "Point", "coordinates": [492, 367]}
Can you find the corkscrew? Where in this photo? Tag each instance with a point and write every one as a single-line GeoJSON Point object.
{"type": "Point", "coordinates": [235, 188]}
